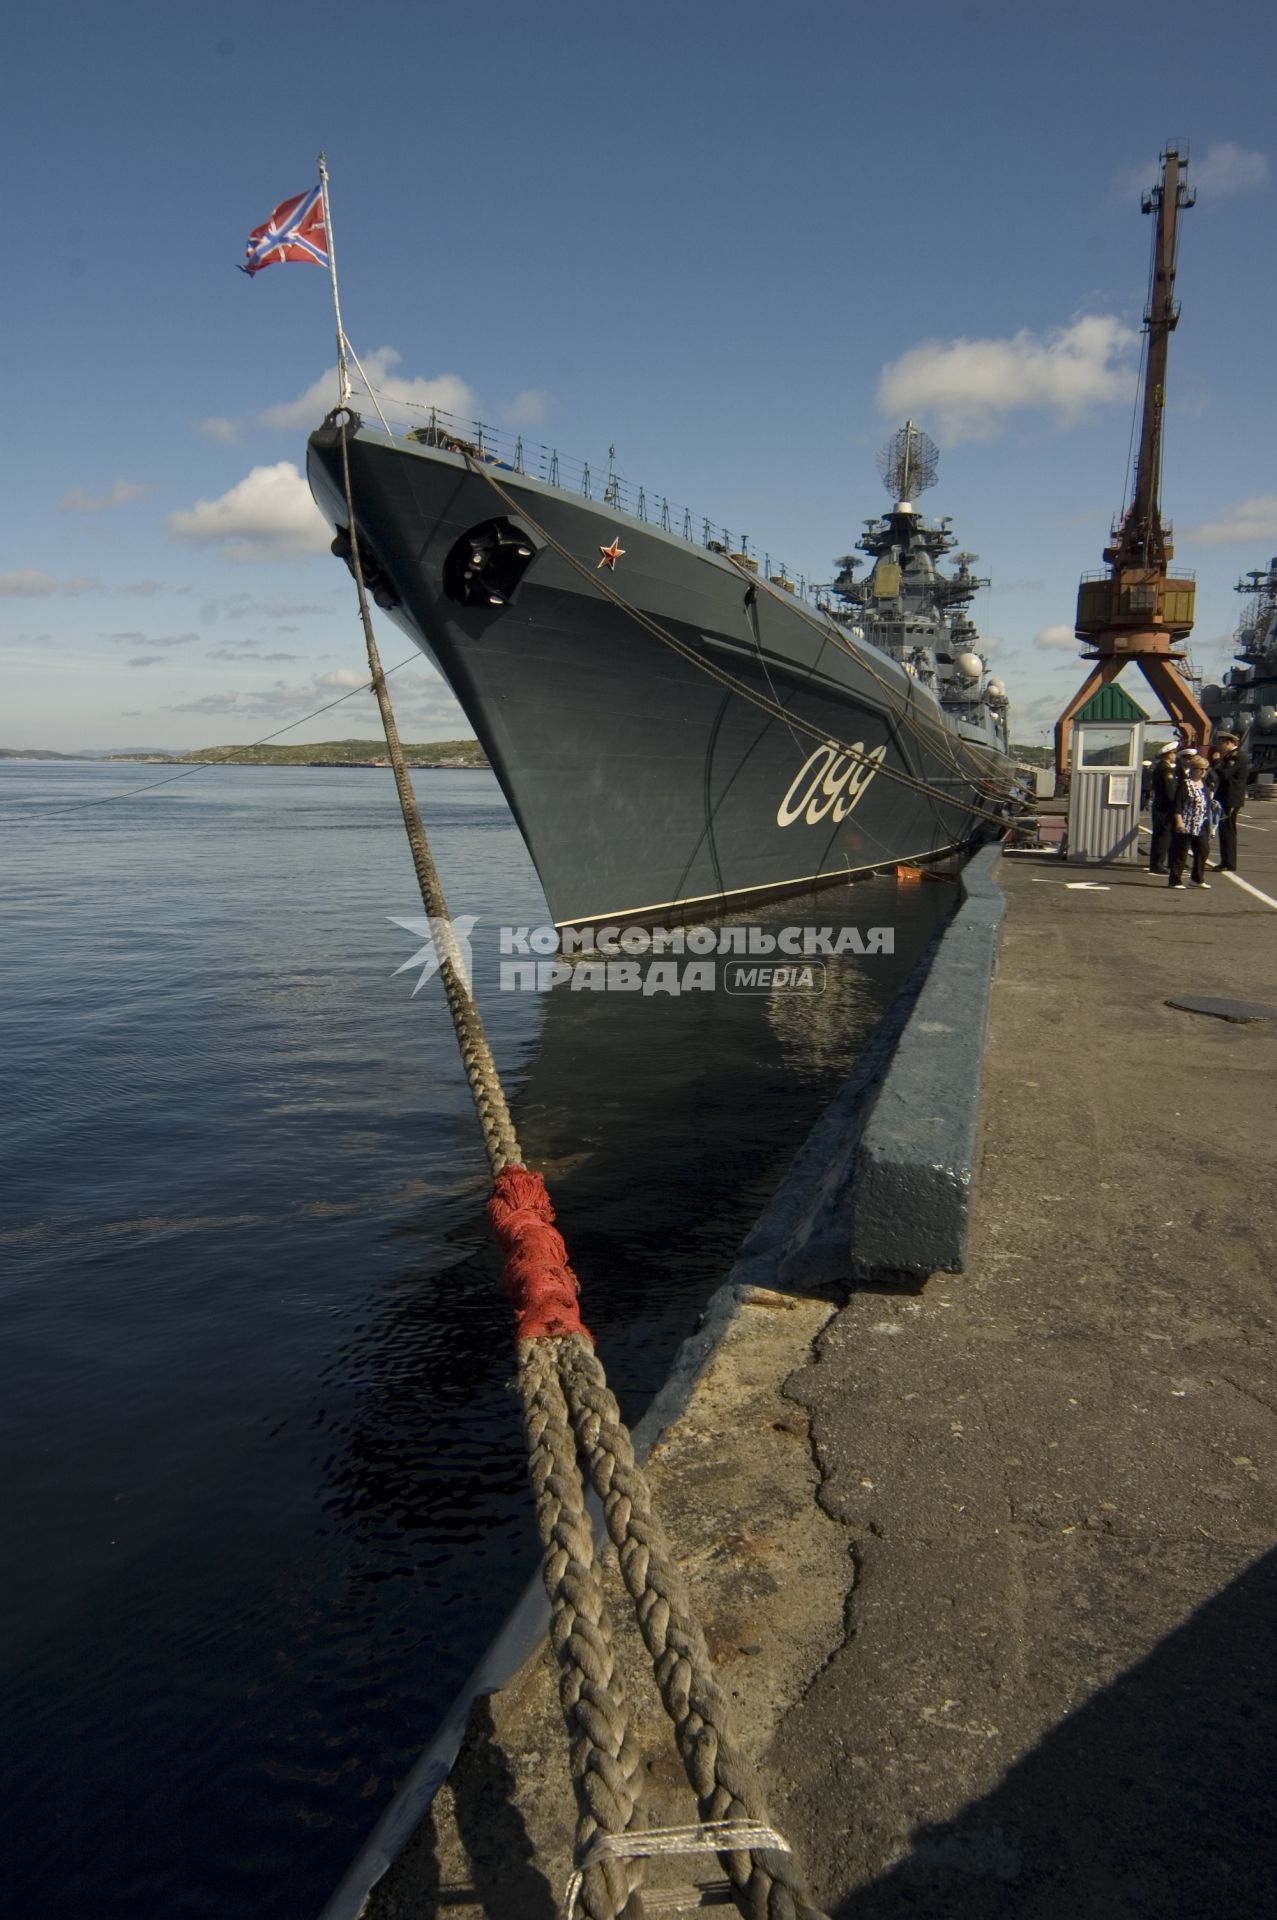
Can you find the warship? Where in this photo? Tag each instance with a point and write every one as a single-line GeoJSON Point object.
{"type": "Point", "coordinates": [679, 727]}
{"type": "Point", "coordinates": [1247, 701]}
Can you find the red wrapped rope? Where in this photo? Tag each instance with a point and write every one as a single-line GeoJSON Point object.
{"type": "Point", "coordinates": [537, 1277]}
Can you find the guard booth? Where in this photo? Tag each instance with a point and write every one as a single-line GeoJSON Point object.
{"type": "Point", "coordinates": [1104, 786]}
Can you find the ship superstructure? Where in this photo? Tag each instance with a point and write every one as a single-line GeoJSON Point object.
{"type": "Point", "coordinates": [912, 611]}
{"type": "Point", "coordinates": [1247, 700]}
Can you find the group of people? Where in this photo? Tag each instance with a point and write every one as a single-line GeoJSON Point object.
{"type": "Point", "coordinates": [1194, 795]}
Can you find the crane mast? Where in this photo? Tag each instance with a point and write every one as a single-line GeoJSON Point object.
{"type": "Point", "coordinates": [1143, 539]}
{"type": "Point", "coordinates": [1136, 612]}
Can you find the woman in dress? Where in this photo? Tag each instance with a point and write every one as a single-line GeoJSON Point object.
{"type": "Point", "coordinates": [1192, 824]}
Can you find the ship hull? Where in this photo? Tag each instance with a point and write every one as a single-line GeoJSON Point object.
{"type": "Point", "coordinates": [643, 786]}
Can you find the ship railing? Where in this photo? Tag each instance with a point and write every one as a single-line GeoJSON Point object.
{"type": "Point", "coordinates": [515, 452]}
{"type": "Point", "coordinates": [1106, 573]}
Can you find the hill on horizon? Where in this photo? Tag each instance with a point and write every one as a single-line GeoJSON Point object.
{"type": "Point", "coordinates": [352, 753]}
{"type": "Point", "coordinates": [329, 753]}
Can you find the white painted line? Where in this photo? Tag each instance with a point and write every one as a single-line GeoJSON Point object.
{"type": "Point", "coordinates": [1251, 827]}
{"type": "Point", "coordinates": [1265, 897]}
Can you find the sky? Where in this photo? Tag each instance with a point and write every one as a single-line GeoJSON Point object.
{"type": "Point", "coordinates": [740, 243]}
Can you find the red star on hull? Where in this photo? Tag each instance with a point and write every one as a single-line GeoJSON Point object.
{"type": "Point", "coordinates": [610, 555]}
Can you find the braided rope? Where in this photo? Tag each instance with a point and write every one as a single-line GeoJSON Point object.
{"type": "Point", "coordinates": [495, 1123]}
{"type": "Point", "coordinates": [661, 1842]}
{"type": "Point", "coordinates": [765, 1882]}
{"type": "Point", "coordinates": [570, 1415]}
{"type": "Point", "coordinates": [605, 1759]}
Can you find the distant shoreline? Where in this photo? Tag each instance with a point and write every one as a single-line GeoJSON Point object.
{"type": "Point", "coordinates": [431, 756]}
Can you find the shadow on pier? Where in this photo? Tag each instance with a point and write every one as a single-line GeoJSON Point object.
{"type": "Point", "coordinates": [1154, 1798]}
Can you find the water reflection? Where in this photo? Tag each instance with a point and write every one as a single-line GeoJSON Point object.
{"type": "Point", "coordinates": [263, 1472]}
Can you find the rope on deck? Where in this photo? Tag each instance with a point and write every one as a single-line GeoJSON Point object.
{"type": "Point", "coordinates": [571, 1417]}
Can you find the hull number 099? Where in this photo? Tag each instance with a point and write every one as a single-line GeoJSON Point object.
{"type": "Point", "coordinates": [828, 784]}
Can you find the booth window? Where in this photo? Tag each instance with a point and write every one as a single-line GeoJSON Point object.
{"type": "Point", "coordinates": [1107, 746]}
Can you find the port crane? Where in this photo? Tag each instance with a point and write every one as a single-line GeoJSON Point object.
{"type": "Point", "coordinates": [1135, 612]}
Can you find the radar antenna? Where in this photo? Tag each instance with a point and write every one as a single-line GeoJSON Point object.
{"type": "Point", "coordinates": [908, 463]}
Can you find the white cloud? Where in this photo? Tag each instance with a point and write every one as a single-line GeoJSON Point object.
{"type": "Point", "coordinates": [1056, 637]}
{"type": "Point", "coordinates": [209, 703]}
{"type": "Point", "coordinates": [250, 651]}
{"type": "Point", "coordinates": [448, 392]}
{"type": "Point", "coordinates": [1133, 182]}
{"type": "Point", "coordinates": [528, 408]}
{"type": "Point", "coordinates": [1223, 169]}
{"type": "Point", "coordinates": [422, 701]}
{"type": "Point", "coordinates": [1255, 521]}
{"type": "Point", "coordinates": [278, 701]}
{"type": "Point", "coordinates": [970, 386]}
{"type": "Point", "coordinates": [148, 660]}
{"type": "Point", "coordinates": [132, 637]}
{"type": "Point", "coordinates": [1215, 651]}
{"type": "Point", "coordinates": [32, 582]}
{"type": "Point", "coordinates": [217, 428]}
{"type": "Point", "coordinates": [1034, 719]}
{"type": "Point", "coordinates": [246, 606]}
{"type": "Point", "coordinates": [427, 701]}
{"type": "Point", "coordinates": [119, 494]}
{"type": "Point", "coordinates": [283, 702]}
{"type": "Point", "coordinates": [267, 514]}
{"type": "Point", "coordinates": [19, 585]}
{"type": "Point", "coordinates": [1228, 168]}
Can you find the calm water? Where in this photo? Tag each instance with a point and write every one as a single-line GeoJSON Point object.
{"type": "Point", "coordinates": [261, 1481]}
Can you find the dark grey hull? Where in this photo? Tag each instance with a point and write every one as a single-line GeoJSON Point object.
{"type": "Point", "coordinates": [642, 786]}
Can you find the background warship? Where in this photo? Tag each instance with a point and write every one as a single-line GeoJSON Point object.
{"type": "Point", "coordinates": [1247, 701]}
{"type": "Point", "coordinates": [678, 728]}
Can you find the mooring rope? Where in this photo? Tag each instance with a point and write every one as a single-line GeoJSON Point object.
{"type": "Point", "coordinates": [764, 1881]}
{"type": "Point", "coordinates": [716, 1836]}
{"type": "Point", "coordinates": [570, 1416]}
{"type": "Point", "coordinates": [604, 1758]}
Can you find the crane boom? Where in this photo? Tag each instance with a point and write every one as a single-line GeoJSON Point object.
{"type": "Point", "coordinates": [1134, 612]}
{"type": "Point", "coordinates": [1142, 540]}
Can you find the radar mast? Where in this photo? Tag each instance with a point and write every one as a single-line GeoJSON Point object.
{"type": "Point", "coordinates": [908, 463]}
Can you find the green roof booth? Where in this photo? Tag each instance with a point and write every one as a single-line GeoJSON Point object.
{"type": "Point", "coordinates": [1104, 784]}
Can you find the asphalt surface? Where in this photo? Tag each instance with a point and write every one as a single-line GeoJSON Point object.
{"type": "Point", "coordinates": [989, 1564]}
{"type": "Point", "coordinates": [1055, 1472]}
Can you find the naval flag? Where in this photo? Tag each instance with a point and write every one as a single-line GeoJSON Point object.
{"type": "Point", "coordinates": [295, 231]}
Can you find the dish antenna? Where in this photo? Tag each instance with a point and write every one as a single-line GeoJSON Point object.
{"type": "Point", "coordinates": [908, 463]}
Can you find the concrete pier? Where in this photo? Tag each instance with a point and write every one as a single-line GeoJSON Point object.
{"type": "Point", "coordinates": [987, 1559]}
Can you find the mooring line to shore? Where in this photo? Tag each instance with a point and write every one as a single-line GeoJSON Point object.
{"type": "Point", "coordinates": [572, 1423]}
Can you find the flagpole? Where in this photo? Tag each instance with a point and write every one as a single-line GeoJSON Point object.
{"type": "Point", "coordinates": [343, 374]}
